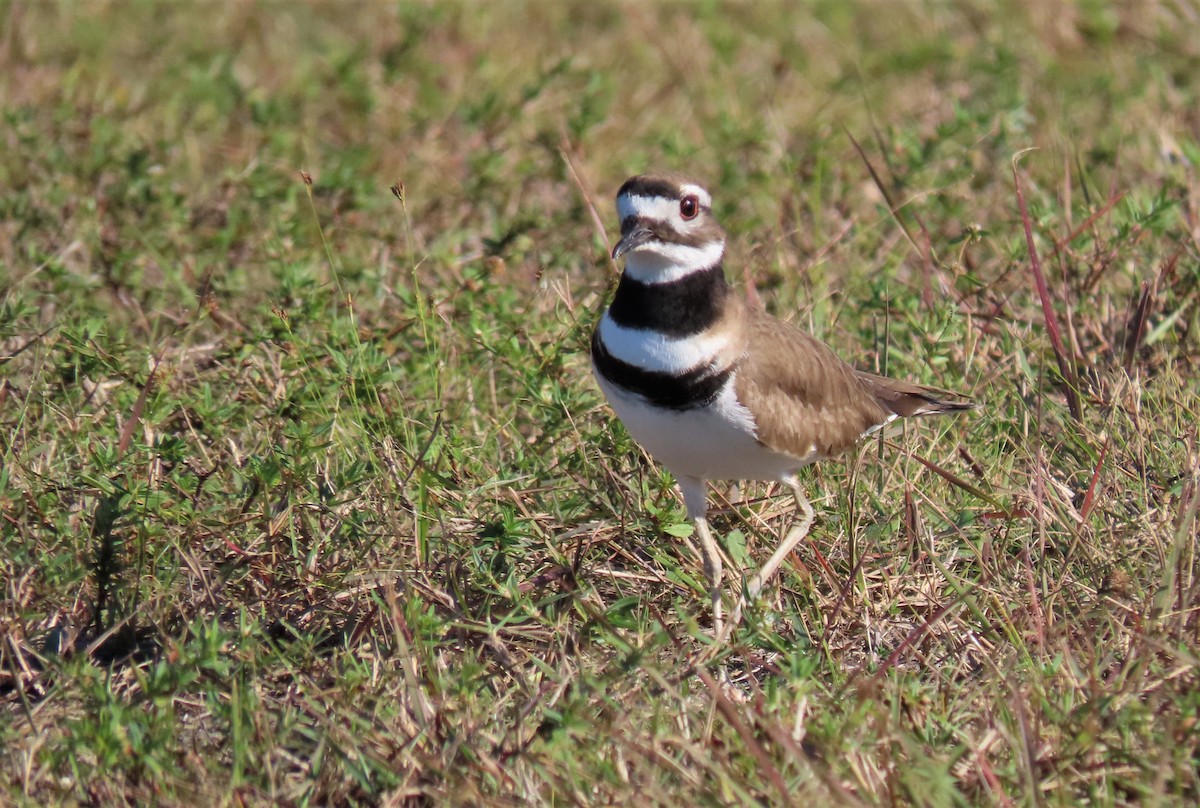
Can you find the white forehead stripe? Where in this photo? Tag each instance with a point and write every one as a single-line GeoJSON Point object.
{"type": "Point", "coordinates": [658, 208]}
{"type": "Point", "coordinates": [651, 350]}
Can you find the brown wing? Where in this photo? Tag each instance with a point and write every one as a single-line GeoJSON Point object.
{"type": "Point", "coordinates": [804, 397]}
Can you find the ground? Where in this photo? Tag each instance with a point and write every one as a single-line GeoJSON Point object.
{"type": "Point", "coordinates": [308, 496]}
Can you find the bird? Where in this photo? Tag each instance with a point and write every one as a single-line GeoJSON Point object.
{"type": "Point", "coordinates": [714, 387]}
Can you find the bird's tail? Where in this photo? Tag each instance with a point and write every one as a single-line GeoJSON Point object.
{"type": "Point", "coordinates": [907, 399]}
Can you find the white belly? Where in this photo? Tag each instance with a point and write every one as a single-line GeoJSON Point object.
{"type": "Point", "coordinates": [716, 442]}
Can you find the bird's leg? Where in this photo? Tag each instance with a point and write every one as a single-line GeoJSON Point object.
{"type": "Point", "coordinates": [794, 536]}
{"type": "Point", "coordinates": [712, 571]}
{"type": "Point", "coordinates": [696, 501]}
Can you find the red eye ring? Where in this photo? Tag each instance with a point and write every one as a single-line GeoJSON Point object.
{"type": "Point", "coordinates": [689, 207]}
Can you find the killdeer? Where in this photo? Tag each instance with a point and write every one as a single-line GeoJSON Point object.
{"type": "Point", "coordinates": [715, 388]}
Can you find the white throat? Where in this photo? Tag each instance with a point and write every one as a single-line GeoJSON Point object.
{"type": "Point", "coordinates": [665, 263]}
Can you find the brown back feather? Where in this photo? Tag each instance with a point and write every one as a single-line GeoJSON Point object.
{"type": "Point", "coordinates": [806, 399]}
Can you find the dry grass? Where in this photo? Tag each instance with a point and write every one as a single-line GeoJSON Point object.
{"type": "Point", "coordinates": [308, 496]}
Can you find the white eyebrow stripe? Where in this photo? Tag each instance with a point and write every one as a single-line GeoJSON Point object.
{"type": "Point", "coordinates": [658, 208]}
{"type": "Point", "coordinates": [652, 351]}
{"type": "Point", "coordinates": [705, 199]}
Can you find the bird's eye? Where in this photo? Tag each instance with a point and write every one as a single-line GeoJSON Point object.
{"type": "Point", "coordinates": [689, 206]}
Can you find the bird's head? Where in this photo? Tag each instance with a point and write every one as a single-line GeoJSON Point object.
{"type": "Point", "coordinates": [667, 228]}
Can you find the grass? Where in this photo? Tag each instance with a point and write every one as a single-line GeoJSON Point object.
{"type": "Point", "coordinates": [308, 497]}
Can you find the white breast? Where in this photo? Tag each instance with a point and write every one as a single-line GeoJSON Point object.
{"type": "Point", "coordinates": [716, 442]}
